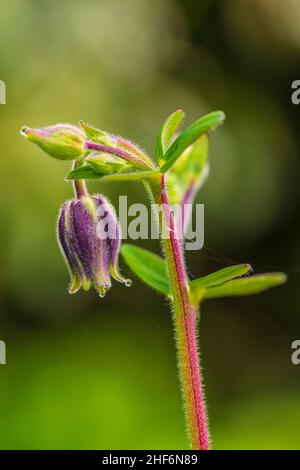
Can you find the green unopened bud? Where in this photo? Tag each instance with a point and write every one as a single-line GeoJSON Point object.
{"type": "Point", "coordinates": [62, 141]}
{"type": "Point", "coordinates": [106, 164]}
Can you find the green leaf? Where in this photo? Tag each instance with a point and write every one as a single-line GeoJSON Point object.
{"type": "Point", "coordinates": [190, 135]}
{"type": "Point", "coordinates": [245, 286]}
{"type": "Point", "coordinates": [148, 266]}
{"type": "Point", "coordinates": [96, 135]}
{"type": "Point", "coordinates": [219, 277]}
{"type": "Point", "coordinates": [84, 172]}
{"type": "Point", "coordinates": [167, 132]}
{"type": "Point", "coordinates": [89, 172]}
{"type": "Point", "coordinates": [188, 173]}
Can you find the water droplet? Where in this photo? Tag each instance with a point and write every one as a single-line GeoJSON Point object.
{"type": "Point", "coordinates": [128, 282]}
{"type": "Point", "coordinates": [24, 130]}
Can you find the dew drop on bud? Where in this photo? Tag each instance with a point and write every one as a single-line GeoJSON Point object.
{"type": "Point", "coordinates": [24, 130]}
{"type": "Point", "coordinates": [128, 282]}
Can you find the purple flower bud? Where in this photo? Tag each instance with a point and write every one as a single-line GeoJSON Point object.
{"type": "Point", "coordinates": [89, 237]}
{"type": "Point", "coordinates": [62, 141]}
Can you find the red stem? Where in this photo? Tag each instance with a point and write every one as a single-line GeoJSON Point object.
{"type": "Point", "coordinates": [79, 186]}
{"type": "Point", "coordinates": [184, 319]}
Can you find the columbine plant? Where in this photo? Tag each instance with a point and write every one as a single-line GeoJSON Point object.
{"type": "Point", "coordinates": [180, 169]}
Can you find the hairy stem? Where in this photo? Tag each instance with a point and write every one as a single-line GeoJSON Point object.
{"type": "Point", "coordinates": [184, 316]}
{"type": "Point", "coordinates": [137, 161]}
{"type": "Point", "coordinates": [79, 186]}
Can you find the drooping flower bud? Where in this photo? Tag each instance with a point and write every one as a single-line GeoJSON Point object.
{"type": "Point", "coordinates": [62, 141]}
{"type": "Point", "coordinates": [89, 237]}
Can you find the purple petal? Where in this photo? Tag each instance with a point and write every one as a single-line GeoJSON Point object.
{"type": "Point", "coordinates": [65, 244]}
{"type": "Point", "coordinates": [92, 251]}
{"type": "Point", "coordinates": [108, 219]}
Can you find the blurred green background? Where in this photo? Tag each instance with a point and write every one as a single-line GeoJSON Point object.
{"type": "Point", "coordinates": [88, 373]}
